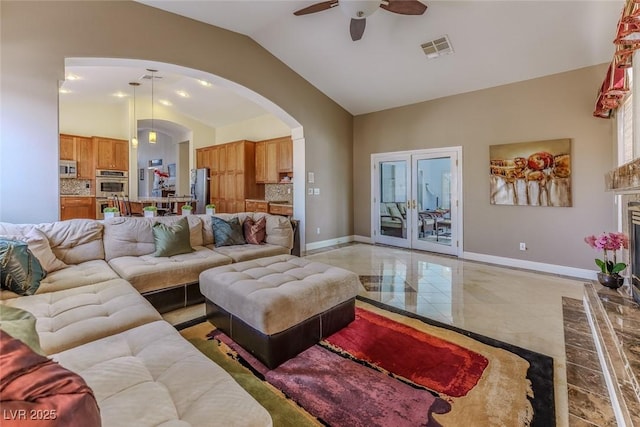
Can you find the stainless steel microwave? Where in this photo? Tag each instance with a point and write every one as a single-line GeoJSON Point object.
{"type": "Point", "coordinates": [68, 169]}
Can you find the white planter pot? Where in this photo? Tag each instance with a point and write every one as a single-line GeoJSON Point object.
{"type": "Point", "coordinates": [149, 214]}
{"type": "Point", "coordinates": [211, 211]}
{"type": "Point", "coordinates": [186, 211]}
{"type": "Point", "coordinates": [111, 214]}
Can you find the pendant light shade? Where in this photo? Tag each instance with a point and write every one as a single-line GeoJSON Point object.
{"type": "Point", "coordinates": [134, 131]}
{"type": "Point", "coordinates": [153, 137]}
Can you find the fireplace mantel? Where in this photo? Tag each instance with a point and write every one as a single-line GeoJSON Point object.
{"type": "Point", "coordinates": [625, 178]}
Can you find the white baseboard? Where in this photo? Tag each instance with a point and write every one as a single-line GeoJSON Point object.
{"type": "Point", "coordinates": [324, 243]}
{"type": "Point", "coordinates": [532, 265]}
{"type": "Point", "coordinates": [472, 256]}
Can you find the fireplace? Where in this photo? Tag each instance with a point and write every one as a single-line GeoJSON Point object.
{"type": "Point", "coordinates": [634, 248]}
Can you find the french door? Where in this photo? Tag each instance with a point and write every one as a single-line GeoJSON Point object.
{"type": "Point", "coordinates": [416, 201]}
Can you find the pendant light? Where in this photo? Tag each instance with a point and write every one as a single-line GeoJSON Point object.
{"type": "Point", "coordinates": [134, 132]}
{"type": "Point", "coordinates": [153, 137]}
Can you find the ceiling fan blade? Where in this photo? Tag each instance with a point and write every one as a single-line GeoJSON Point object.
{"type": "Point", "coordinates": [357, 28]}
{"type": "Point", "coordinates": [404, 7]}
{"type": "Point", "coordinates": [318, 7]}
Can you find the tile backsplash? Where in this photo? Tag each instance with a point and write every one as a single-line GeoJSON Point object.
{"type": "Point", "coordinates": [278, 192]}
{"type": "Point", "coordinates": [75, 187]}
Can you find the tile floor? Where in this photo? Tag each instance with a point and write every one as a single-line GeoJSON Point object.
{"type": "Point", "coordinates": [520, 307]}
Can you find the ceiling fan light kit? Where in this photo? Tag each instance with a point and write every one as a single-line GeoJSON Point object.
{"type": "Point", "coordinates": [358, 10]}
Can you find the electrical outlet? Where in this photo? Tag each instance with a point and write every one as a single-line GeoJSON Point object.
{"type": "Point", "coordinates": [318, 230]}
{"type": "Point", "coordinates": [288, 191]}
{"type": "Point", "coordinates": [523, 246]}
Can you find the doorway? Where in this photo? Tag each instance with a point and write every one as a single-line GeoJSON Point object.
{"type": "Point", "coordinates": [416, 199]}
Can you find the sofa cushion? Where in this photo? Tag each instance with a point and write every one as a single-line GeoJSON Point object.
{"type": "Point", "coordinates": [149, 273]}
{"type": "Point", "coordinates": [247, 252]}
{"type": "Point", "coordinates": [20, 324]}
{"type": "Point", "coordinates": [254, 231]}
{"type": "Point", "coordinates": [86, 273]}
{"type": "Point", "coordinates": [40, 247]}
{"type": "Point", "coordinates": [75, 241]}
{"type": "Point", "coordinates": [20, 270]}
{"type": "Point", "coordinates": [151, 376]}
{"type": "Point", "coordinates": [39, 392]}
{"type": "Point", "coordinates": [172, 239]}
{"type": "Point", "coordinates": [75, 316]}
{"type": "Point", "coordinates": [227, 232]}
{"type": "Point", "coordinates": [133, 236]}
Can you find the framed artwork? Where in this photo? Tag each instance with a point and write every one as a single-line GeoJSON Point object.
{"type": "Point", "coordinates": [534, 173]}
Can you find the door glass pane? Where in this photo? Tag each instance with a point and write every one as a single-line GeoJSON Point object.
{"type": "Point", "coordinates": [433, 180]}
{"type": "Point", "coordinates": [393, 199]}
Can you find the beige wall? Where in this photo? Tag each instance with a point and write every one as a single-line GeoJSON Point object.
{"type": "Point", "coordinates": [36, 37]}
{"type": "Point", "coordinates": [257, 129]}
{"type": "Point", "coordinates": [552, 107]}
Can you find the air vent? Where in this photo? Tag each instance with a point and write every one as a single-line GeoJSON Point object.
{"type": "Point", "coordinates": [438, 47]}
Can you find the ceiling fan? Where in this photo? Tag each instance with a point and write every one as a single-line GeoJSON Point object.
{"type": "Point", "coordinates": [358, 10]}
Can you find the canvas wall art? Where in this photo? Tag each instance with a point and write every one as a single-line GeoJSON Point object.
{"type": "Point", "coordinates": [531, 173]}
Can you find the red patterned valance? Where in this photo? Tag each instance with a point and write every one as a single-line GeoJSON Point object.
{"type": "Point", "coordinates": [627, 40]}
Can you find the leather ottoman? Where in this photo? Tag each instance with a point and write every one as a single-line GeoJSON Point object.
{"type": "Point", "coordinates": [278, 306]}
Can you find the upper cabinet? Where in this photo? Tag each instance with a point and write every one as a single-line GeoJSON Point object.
{"type": "Point", "coordinates": [80, 149]}
{"type": "Point", "coordinates": [274, 160]}
{"type": "Point", "coordinates": [112, 154]}
{"type": "Point", "coordinates": [285, 155]}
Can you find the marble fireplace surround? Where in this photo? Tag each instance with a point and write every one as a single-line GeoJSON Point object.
{"type": "Point", "coordinates": [614, 316]}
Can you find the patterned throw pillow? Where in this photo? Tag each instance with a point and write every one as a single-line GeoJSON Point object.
{"type": "Point", "coordinates": [172, 239]}
{"type": "Point", "coordinates": [255, 231]}
{"type": "Point", "coordinates": [227, 233]}
{"type": "Point", "coordinates": [20, 270]}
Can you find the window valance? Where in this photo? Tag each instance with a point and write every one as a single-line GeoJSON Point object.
{"type": "Point", "coordinates": [627, 40]}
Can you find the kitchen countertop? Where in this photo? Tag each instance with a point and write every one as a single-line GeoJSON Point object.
{"type": "Point", "coordinates": [76, 195]}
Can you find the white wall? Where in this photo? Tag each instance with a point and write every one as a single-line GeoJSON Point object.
{"type": "Point", "coordinates": [93, 119]}
{"type": "Point", "coordinates": [257, 129]}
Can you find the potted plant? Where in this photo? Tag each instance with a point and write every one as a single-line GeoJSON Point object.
{"type": "Point", "coordinates": [186, 210]}
{"type": "Point", "coordinates": [150, 211]}
{"type": "Point", "coordinates": [111, 212]}
{"type": "Point", "coordinates": [211, 209]}
{"type": "Point", "coordinates": [609, 243]}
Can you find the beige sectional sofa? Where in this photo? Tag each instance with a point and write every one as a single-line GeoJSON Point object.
{"type": "Point", "coordinates": [94, 317]}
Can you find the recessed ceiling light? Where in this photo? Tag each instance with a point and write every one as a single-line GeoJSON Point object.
{"type": "Point", "coordinates": [63, 90]}
{"type": "Point", "coordinates": [73, 77]}
{"type": "Point", "coordinates": [120, 95]}
{"type": "Point", "coordinates": [165, 102]}
{"type": "Point", "coordinates": [182, 94]}
{"type": "Point", "coordinates": [205, 83]}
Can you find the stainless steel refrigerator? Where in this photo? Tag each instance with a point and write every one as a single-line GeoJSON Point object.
{"type": "Point", "coordinates": [200, 188]}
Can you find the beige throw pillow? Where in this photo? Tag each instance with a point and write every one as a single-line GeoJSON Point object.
{"type": "Point", "coordinates": [38, 244]}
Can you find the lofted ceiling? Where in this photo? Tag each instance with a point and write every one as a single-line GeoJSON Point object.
{"type": "Point", "coordinates": [494, 43]}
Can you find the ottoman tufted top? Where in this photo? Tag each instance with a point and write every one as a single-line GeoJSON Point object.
{"type": "Point", "coordinates": [275, 293]}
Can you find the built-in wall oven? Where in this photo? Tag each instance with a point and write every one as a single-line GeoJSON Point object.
{"type": "Point", "coordinates": [109, 183]}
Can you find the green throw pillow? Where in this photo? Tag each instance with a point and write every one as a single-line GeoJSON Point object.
{"type": "Point", "coordinates": [172, 239]}
{"type": "Point", "coordinates": [21, 325]}
{"type": "Point", "coordinates": [227, 233]}
{"type": "Point", "coordinates": [20, 270]}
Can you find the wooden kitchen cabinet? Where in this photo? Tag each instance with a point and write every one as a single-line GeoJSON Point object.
{"type": "Point", "coordinates": [285, 155]}
{"type": "Point", "coordinates": [280, 210]}
{"type": "Point", "coordinates": [111, 154]}
{"type": "Point", "coordinates": [77, 207]}
{"type": "Point", "coordinates": [256, 206]}
{"type": "Point", "coordinates": [80, 149]}
{"type": "Point", "coordinates": [232, 174]}
{"type": "Point", "coordinates": [274, 160]}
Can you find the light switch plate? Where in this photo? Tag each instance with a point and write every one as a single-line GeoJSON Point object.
{"type": "Point", "coordinates": [310, 191]}
{"type": "Point", "coordinates": [316, 191]}
{"type": "Point", "coordinates": [311, 178]}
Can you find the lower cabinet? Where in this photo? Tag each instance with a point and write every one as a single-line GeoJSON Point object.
{"type": "Point", "coordinates": [77, 207]}
{"type": "Point", "coordinates": [256, 206]}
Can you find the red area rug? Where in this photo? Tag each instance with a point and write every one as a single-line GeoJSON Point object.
{"type": "Point", "coordinates": [434, 363]}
